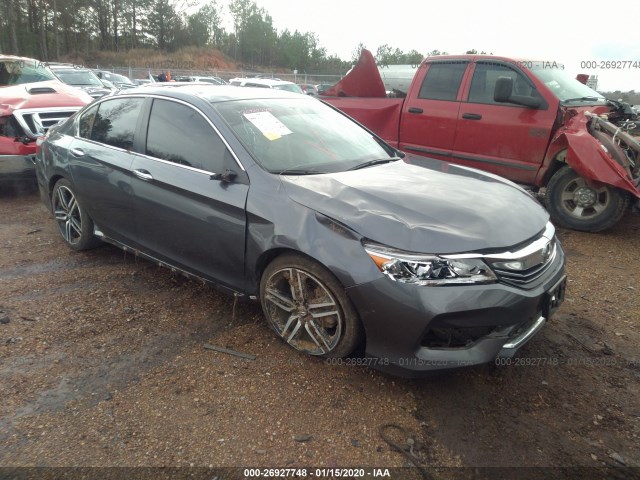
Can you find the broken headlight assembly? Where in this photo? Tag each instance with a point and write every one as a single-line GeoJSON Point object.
{"type": "Point", "coordinates": [429, 270]}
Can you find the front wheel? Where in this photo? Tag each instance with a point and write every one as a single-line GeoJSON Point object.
{"type": "Point", "coordinates": [307, 307]}
{"type": "Point", "coordinates": [575, 204]}
{"type": "Point", "coordinates": [76, 227]}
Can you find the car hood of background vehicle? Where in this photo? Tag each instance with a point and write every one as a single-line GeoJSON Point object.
{"type": "Point", "coordinates": [18, 96]}
{"type": "Point", "coordinates": [427, 206]}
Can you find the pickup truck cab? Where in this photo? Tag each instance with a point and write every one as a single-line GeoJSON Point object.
{"type": "Point", "coordinates": [31, 101]}
{"type": "Point", "coordinates": [528, 121]}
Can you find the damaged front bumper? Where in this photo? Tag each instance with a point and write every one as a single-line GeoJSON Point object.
{"type": "Point", "coordinates": [17, 167]}
{"type": "Point", "coordinates": [413, 330]}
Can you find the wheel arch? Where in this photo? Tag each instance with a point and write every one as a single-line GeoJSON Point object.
{"type": "Point", "coordinates": [558, 161]}
{"type": "Point", "coordinates": [51, 183]}
{"type": "Point", "coordinates": [55, 178]}
{"type": "Point", "coordinates": [270, 255]}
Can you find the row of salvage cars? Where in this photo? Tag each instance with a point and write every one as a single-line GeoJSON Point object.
{"type": "Point", "coordinates": [276, 197]}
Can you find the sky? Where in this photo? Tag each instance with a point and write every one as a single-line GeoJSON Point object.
{"type": "Point", "coordinates": [569, 32]}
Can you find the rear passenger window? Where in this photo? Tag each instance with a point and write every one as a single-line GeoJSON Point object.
{"type": "Point", "coordinates": [442, 81]}
{"type": "Point", "coordinates": [86, 122]}
{"type": "Point", "coordinates": [484, 81]}
{"type": "Point", "coordinates": [115, 122]}
{"type": "Point", "coordinates": [178, 133]}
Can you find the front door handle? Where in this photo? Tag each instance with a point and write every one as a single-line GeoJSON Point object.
{"type": "Point", "coordinates": [472, 116]}
{"type": "Point", "coordinates": [415, 110]}
{"type": "Point", "coordinates": [77, 152]}
{"type": "Point", "coordinates": [143, 175]}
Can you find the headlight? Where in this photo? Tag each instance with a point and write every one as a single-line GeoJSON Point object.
{"type": "Point", "coordinates": [429, 270]}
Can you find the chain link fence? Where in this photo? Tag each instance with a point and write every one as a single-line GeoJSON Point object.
{"type": "Point", "coordinates": [143, 73]}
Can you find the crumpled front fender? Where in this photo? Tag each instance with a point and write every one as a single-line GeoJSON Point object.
{"type": "Point", "coordinates": [589, 158]}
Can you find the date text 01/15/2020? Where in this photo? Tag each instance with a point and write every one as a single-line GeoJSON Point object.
{"type": "Point", "coordinates": [556, 361]}
{"type": "Point", "coordinates": [316, 472]}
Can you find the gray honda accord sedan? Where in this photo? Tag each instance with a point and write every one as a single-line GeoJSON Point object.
{"type": "Point", "coordinates": [279, 198]}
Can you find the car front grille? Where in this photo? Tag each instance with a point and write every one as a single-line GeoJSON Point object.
{"type": "Point", "coordinates": [523, 278]}
{"type": "Point", "coordinates": [37, 121]}
{"type": "Point", "coordinates": [524, 267]}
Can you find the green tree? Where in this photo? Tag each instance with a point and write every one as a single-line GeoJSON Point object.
{"type": "Point", "coordinates": [164, 24]}
{"type": "Point", "coordinates": [413, 57]}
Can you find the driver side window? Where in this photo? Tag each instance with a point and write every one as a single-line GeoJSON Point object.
{"type": "Point", "coordinates": [484, 81]}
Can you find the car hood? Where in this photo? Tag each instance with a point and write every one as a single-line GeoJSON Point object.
{"type": "Point", "coordinates": [425, 206]}
{"type": "Point", "coordinates": [43, 95]}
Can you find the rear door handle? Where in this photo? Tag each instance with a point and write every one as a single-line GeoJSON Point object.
{"type": "Point", "coordinates": [472, 116]}
{"type": "Point", "coordinates": [143, 175]}
{"type": "Point", "coordinates": [77, 152]}
{"type": "Point", "coordinates": [415, 110]}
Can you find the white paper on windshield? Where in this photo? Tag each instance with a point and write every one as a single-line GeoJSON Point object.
{"type": "Point", "coordinates": [270, 126]}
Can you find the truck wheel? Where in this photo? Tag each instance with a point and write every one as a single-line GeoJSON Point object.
{"type": "Point", "coordinates": [574, 204]}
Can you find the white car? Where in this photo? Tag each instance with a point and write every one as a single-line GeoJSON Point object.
{"type": "Point", "coordinates": [266, 83]}
{"type": "Point", "coordinates": [213, 80]}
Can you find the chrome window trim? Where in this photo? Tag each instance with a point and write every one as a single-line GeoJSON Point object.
{"type": "Point", "coordinates": [160, 97]}
{"type": "Point", "coordinates": [197, 170]}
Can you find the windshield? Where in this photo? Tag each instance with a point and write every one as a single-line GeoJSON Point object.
{"type": "Point", "coordinates": [564, 86]}
{"type": "Point", "coordinates": [19, 71]}
{"type": "Point", "coordinates": [289, 87]}
{"type": "Point", "coordinates": [76, 77]}
{"type": "Point", "coordinates": [300, 136]}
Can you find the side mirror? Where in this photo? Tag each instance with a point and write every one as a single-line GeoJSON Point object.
{"type": "Point", "coordinates": [503, 89]}
{"type": "Point", "coordinates": [226, 177]}
{"type": "Point", "coordinates": [503, 93]}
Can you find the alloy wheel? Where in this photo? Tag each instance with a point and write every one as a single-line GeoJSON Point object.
{"type": "Point", "coordinates": [67, 214]}
{"type": "Point", "coordinates": [303, 311]}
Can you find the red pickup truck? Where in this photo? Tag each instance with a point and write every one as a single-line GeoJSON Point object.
{"type": "Point", "coordinates": [528, 121]}
{"type": "Point", "coordinates": [31, 101]}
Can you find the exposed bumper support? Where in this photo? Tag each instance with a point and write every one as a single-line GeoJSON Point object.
{"type": "Point", "coordinates": [509, 348]}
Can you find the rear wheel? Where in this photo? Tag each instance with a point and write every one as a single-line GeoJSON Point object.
{"type": "Point", "coordinates": [307, 307]}
{"type": "Point", "coordinates": [575, 204]}
{"type": "Point", "coordinates": [76, 227]}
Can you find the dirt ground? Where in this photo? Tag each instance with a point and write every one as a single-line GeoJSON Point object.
{"type": "Point", "coordinates": [103, 364]}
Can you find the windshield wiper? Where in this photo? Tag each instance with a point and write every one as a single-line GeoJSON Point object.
{"type": "Point", "coordinates": [581, 99]}
{"type": "Point", "coordinates": [374, 162]}
{"type": "Point", "coordinates": [298, 171]}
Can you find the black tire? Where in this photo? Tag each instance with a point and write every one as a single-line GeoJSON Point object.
{"type": "Point", "coordinates": [329, 329]}
{"type": "Point", "coordinates": [572, 203]}
{"type": "Point", "coordinates": [76, 227]}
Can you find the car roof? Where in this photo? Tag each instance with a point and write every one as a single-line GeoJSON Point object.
{"type": "Point", "coordinates": [209, 92]}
